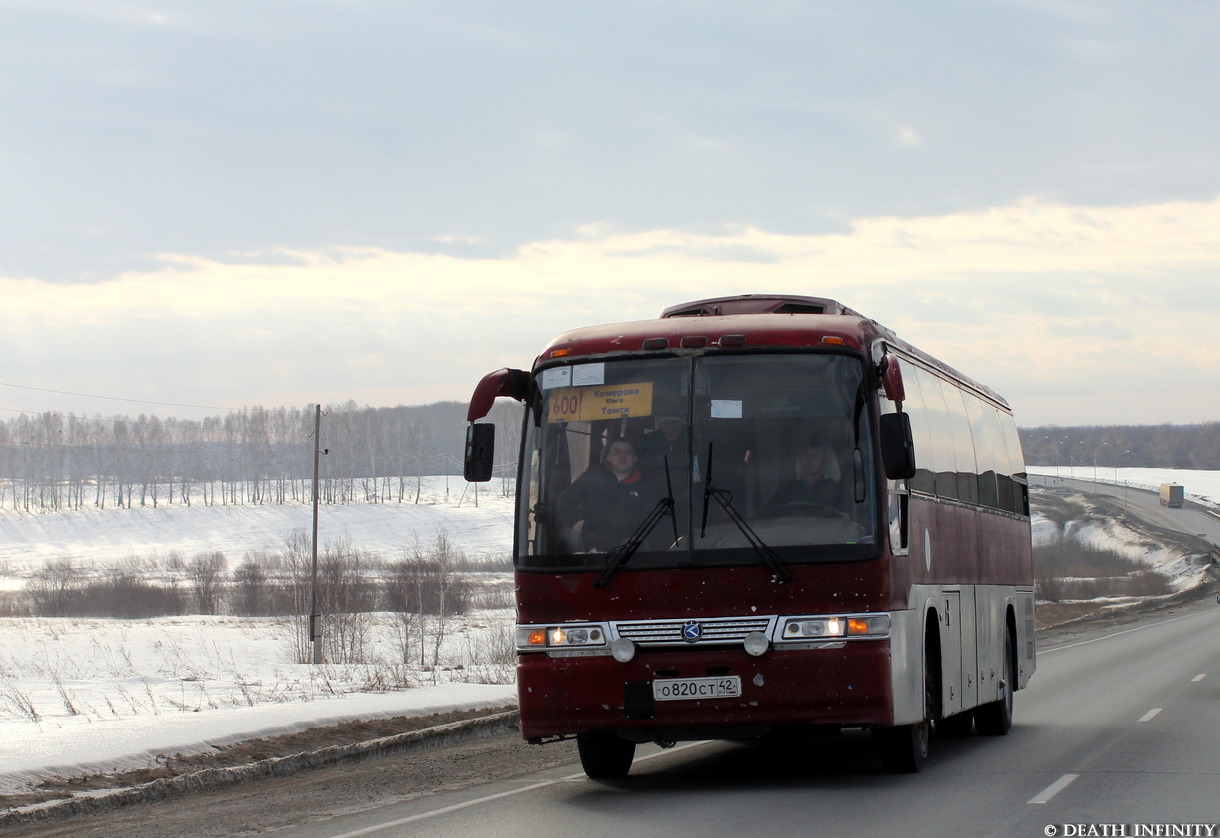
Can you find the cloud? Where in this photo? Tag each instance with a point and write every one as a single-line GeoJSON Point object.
{"type": "Point", "coordinates": [1036, 299]}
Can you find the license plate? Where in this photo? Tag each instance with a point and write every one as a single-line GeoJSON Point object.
{"type": "Point", "coordinates": [678, 689]}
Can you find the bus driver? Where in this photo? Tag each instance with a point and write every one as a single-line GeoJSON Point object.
{"type": "Point", "coordinates": [816, 489]}
{"type": "Point", "coordinates": [607, 502]}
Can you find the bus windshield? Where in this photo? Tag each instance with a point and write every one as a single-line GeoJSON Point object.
{"type": "Point", "coordinates": [705, 460]}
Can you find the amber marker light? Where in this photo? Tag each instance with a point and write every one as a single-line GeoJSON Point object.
{"type": "Point", "coordinates": [561, 353]}
{"type": "Point", "coordinates": [857, 626]}
{"type": "Point", "coordinates": [537, 638]}
{"type": "Point", "coordinates": [832, 340]}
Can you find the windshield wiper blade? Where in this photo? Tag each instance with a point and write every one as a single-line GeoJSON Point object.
{"type": "Point", "coordinates": [619, 556]}
{"type": "Point", "coordinates": [779, 573]}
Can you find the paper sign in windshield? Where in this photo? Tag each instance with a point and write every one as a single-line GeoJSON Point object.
{"type": "Point", "coordinates": [609, 401]}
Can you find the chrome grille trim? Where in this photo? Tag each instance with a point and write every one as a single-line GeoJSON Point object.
{"type": "Point", "coordinates": [716, 630]}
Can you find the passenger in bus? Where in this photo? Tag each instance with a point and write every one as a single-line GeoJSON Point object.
{"type": "Point", "coordinates": [667, 443]}
{"type": "Point", "coordinates": [608, 501]}
{"type": "Point", "coordinates": [816, 489]}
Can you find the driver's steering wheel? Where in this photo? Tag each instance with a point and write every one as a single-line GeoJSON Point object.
{"type": "Point", "coordinates": [806, 507]}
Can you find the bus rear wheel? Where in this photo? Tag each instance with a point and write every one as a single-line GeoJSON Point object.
{"type": "Point", "coordinates": [604, 755]}
{"type": "Point", "coordinates": [995, 718]}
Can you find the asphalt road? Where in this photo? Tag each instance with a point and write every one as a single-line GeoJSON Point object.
{"type": "Point", "coordinates": [1117, 728]}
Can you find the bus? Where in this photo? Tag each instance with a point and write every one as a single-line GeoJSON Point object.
{"type": "Point", "coordinates": [755, 516]}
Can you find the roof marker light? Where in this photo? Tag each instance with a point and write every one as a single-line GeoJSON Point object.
{"type": "Point", "coordinates": [732, 340]}
{"type": "Point", "coordinates": [561, 353]}
{"type": "Point", "coordinates": [832, 340]}
{"type": "Point", "coordinates": [655, 343]}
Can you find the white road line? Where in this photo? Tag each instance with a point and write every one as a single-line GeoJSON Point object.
{"type": "Point", "coordinates": [1053, 789]}
{"type": "Point", "coordinates": [369, 830]}
{"type": "Point", "coordinates": [1198, 678]}
{"type": "Point", "coordinates": [1118, 633]}
{"type": "Point", "coordinates": [1150, 715]}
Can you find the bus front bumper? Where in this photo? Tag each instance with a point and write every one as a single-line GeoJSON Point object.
{"type": "Point", "coordinates": [846, 685]}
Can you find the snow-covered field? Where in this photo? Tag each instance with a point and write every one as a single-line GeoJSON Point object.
{"type": "Point", "coordinates": [93, 696]}
{"type": "Point", "coordinates": [91, 537]}
{"type": "Point", "coordinates": [81, 696]}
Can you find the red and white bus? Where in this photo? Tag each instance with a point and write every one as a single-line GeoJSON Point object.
{"type": "Point", "coordinates": [739, 583]}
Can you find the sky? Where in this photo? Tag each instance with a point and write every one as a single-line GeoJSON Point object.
{"type": "Point", "coordinates": [213, 205]}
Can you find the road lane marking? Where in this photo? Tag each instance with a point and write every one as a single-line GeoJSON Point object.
{"type": "Point", "coordinates": [1053, 789]}
{"type": "Point", "coordinates": [1150, 715]}
{"type": "Point", "coordinates": [1118, 633]}
{"type": "Point", "coordinates": [444, 810]}
{"type": "Point", "coordinates": [1198, 678]}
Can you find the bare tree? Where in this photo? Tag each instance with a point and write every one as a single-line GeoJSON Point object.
{"type": "Point", "coordinates": [298, 562]}
{"type": "Point", "coordinates": [250, 581]}
{"type": "Point", "coordinates": [345, 600]}
{"type": "Point", "coordinates": [51, 588]}
{"type": "Point", "coordinates": [206, 574]}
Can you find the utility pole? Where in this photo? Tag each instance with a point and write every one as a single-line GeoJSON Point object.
{"type": "Point", "coordinates": [315, 615]}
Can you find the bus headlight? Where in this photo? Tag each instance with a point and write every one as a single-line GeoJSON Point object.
{"type": "Point", "coordinates": [796, 629]}
{"type": "Point", "coordinates": [541, 638]}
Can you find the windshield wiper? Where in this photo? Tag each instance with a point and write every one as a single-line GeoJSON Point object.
{"type": "Point", "coordinates": [619, 556]}
{"type": "Point", "coordinates": [724, 497]}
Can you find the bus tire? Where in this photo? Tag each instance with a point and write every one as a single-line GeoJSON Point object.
{"type": "Point", "coordinates": [604, 755]}
{"type": "Point", "coordinates": [995, 717]}
{"type": "Point", "coordinates": [958, 725]}
{"type": "Point", "coordinates": [904, 748]}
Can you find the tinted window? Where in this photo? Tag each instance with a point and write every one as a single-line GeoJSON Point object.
{"type": "Point", "coordinates": [925, 456]}
{"type": "Point", "coordinates": [776, 447]}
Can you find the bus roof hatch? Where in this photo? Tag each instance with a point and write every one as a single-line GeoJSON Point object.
{"type": "Point", "coordinates": [758, 304]}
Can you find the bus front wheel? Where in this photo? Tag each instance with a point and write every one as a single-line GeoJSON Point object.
{"type": "Point", "coordinates": [904, 748]}
{"type": "Point", "coordinates": [604, 755]}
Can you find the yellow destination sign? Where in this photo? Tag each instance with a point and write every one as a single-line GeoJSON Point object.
{"type": "Point", "coordinates": [601, 401]}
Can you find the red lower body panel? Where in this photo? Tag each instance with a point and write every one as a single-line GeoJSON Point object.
{"type": "Point", "coordinates": [849, 686]}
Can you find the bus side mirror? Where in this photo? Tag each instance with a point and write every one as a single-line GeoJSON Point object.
{"type": "Point", "coordinates": [897, 446]}
{"type": "Point", "coordinates": [514, 384]}
{"type": "Point", "coordinates": [480, 451]}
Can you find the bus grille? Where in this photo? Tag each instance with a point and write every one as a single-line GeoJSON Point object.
{"type": "Point", "coordinates": [713, 630]}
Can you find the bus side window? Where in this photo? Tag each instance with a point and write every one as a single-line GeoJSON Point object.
{"type": "Point", "coordinates": [914, 406]}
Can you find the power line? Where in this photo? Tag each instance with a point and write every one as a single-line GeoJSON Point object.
{"type": "Point", "coordinates": [118, 398]}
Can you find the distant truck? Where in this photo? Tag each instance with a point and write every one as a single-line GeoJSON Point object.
{"type": "Point", "coordinates": [1171, 494]}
